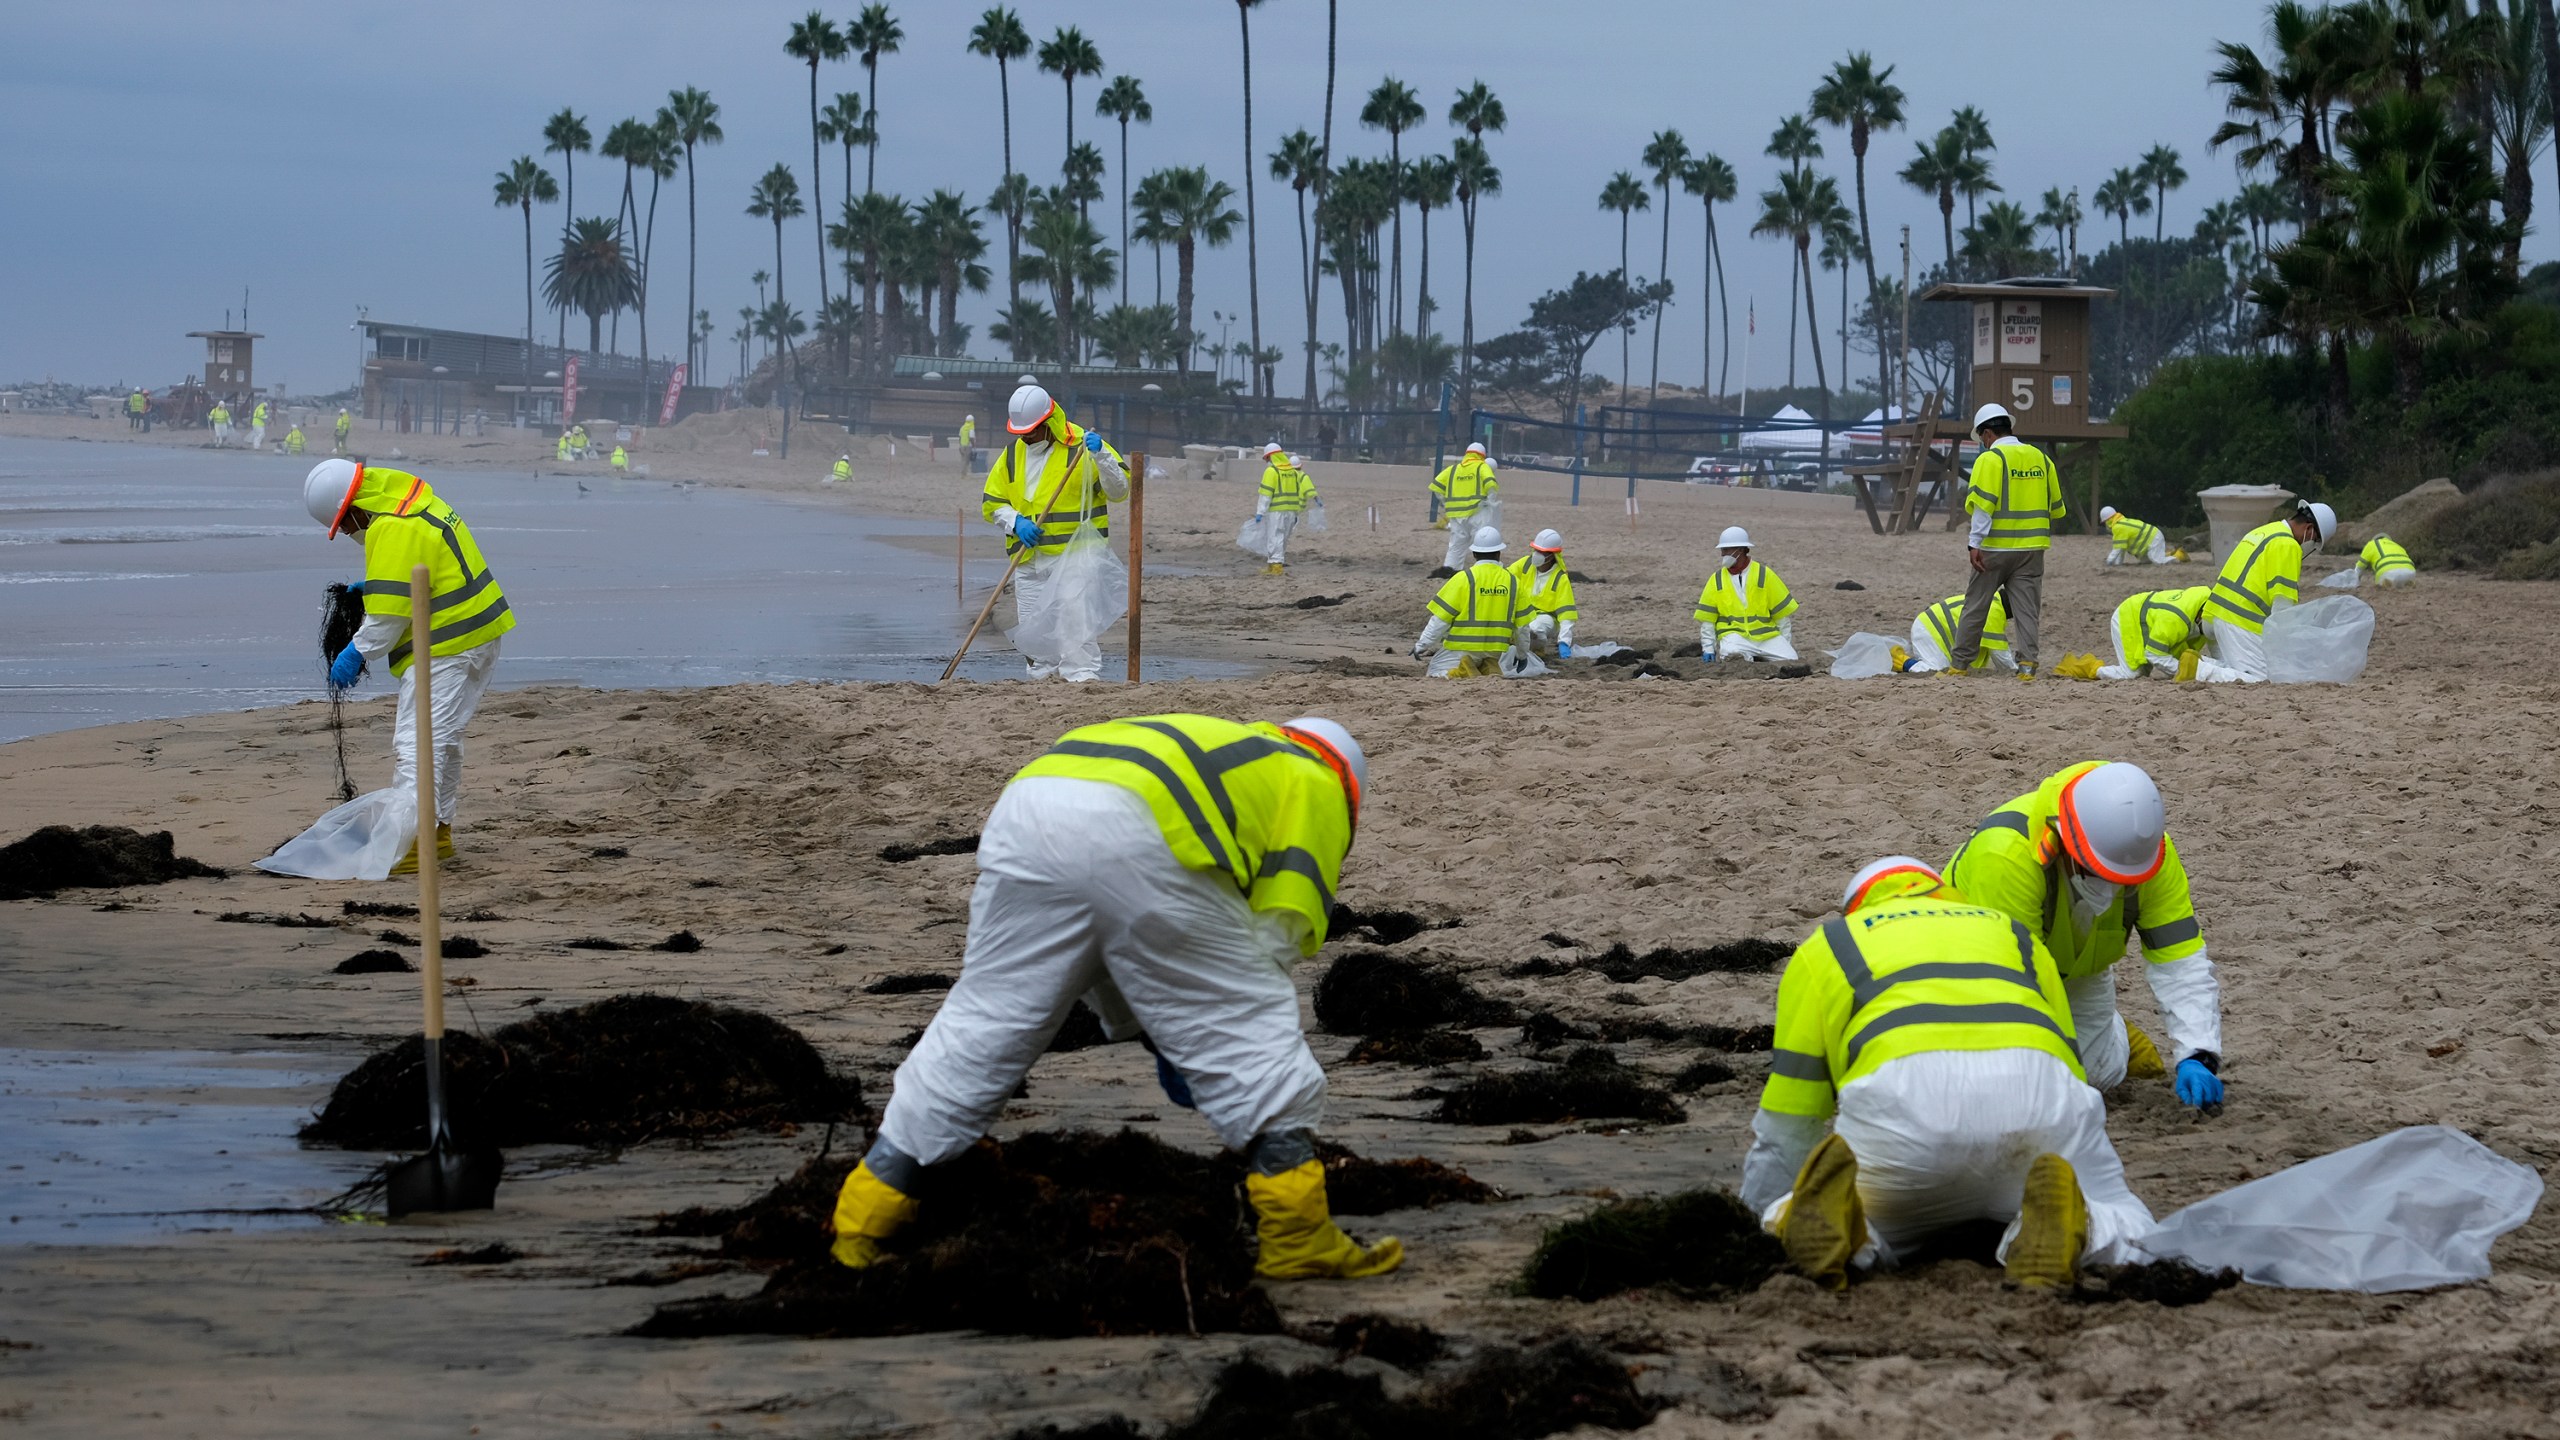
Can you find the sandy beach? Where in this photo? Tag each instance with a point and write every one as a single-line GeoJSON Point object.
{"type": "Point", "coordinates": [2364, 868]}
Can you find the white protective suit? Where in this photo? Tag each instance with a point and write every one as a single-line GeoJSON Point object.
{"type": "Point", "coordinates": [1078, 894]}
{"type": "Point", "coordinates": [1082, 662]}
{"type": "Point", "coordinates": [2234, 654]}
{"type": "Point", "coordinates": [1928, 656]}
{"type": "Point", "coordinates": [460, 681]}
{"type": "Point", "coordinates": [1737, 646]}
{"type": "Point", "coordinates": [1276, 525]}
{"type": "Point", "coordinates": [2129, 667]}
{"type": "Point", "coordinates": [1947, 1136]}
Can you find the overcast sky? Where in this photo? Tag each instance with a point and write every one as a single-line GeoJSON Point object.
{"type": "Point", "coordinates": [163, 155]}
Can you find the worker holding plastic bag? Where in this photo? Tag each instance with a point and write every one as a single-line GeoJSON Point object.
{"type": "Point", "coordinates": [1049, 493]}
{"type": "Point", "coordinates": [1922, 1075]}
{"type": "Point", "coordinates": [1283, 497]}
{"type": "Point", "coordinates": [1470, 498]}
{"type": "Point", "coordinates": [402, 525]}
{"type": "Point", "coordinates": [2261, 575]}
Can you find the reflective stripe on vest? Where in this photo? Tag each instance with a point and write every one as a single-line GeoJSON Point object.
{"type": "Point", "coordinates": [2015, 528]}
{"type": "Point", "coordinates": [1479, 629]}
{"type": "Point", "coordinates": [2233, 597]}
{"type": "Point", "coordinates": [1866, 988]}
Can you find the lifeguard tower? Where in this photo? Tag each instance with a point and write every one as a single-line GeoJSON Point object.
{"type": "Point", "coordinates": [227, 364]}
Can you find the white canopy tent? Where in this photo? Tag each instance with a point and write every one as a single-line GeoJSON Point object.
{"type": "Point", "coordinates": [1792, 429]}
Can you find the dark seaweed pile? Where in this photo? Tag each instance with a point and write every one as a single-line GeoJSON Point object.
{"type": "Point", "coordinates": [953, 845]}
{"type": "Point", "coordinates": [909, 984]}
{"type": "Point", "coordinates": [1370, 991]}
{"type": "Point", "coordinates": [1700, 1241]}
{"type": "Point", "coordinates": [1622, 964]}
{"type": "Point", "coordinates": [1589, 1085]}
{"type": "Point", "coordinates": [59, 857]}
{"type": "Point", "coordinates": [2162, 1282]}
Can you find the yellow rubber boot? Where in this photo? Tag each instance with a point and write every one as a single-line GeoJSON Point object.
{"type": "Point", "coordinates": [2187, 661]}
{"type": "Point", "coordinates": [1825, 1224]}
{"type": "Point", "coordinates": [2143, 1060]}
{"type": "Point", "coordinates": [868, 1211]}
{"type": "Point", "coordinates": [1901, 659]}
{"type": "Point", "coordinates": [1300, 1240]}
{"type": "Point", "coordinates": [2053, 1227]}
{"type": "Point", "coordinates": [444, 851]}
{"type": "Point", "coordinates": [2180, 556]}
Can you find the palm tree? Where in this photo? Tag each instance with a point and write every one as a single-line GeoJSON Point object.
{"type": "Point", "coordinates": [1711, 179]}
{"type": "Point", "coordinates": [2124, 195]}
{"type": "Point", "coordinates": [1430, 183]}
{"type": "Point", "coordinates": [1196, 212]}
{"type": "Point", "coordinates": [1625, 194]}
{"type": "Point", "coordinates": [872, 227]}
{"type": "Point", "coordinates": [1300, 162]}
{"type": "Point", "coordinates": [1124, 101]}
{"type": "Point", "coordinates": [1839, 252]}
{"type": "Point", "coordinates": [1000, 37]}
{"type": "Point", "coordinates": [1252, 221]}
{"type": "Point", "coordinates": [814, 39]}
{"type": "Point", "coordinates": [1067, 55]}
{"type": "Point", "coordinates": [1394, 108]}
{"type": "Point", "coordinates": [775, 197]}
{"type": "Point", "coordinates": [1864, 100]}
{"type": "Point", "coordinates": [949, 229]}
{"type": "Point", "coordinates": [1151, 223]}
{"type": "Point", "coordinates": [1668, 157]}
{"type": "Point", "coordinates": [2519, 113]}
{"type": "Point", "coordinates": [591, 275]}
{"type": "Point", "coordinates": [1072, 255]}
{"type": "Point", "coordinates": [657, 155]}
{"type": "Point", "coordinates": [1012, 199]}
{"type": "Point", "coordinates": [1475, 111]}
{"type": "Point", "coordinates": [779, 324]}
{"type": "Point", "coordinates": [1973, 138]}
{"type": "Point", "coordinates": [1941, 168]}
{"type": "Point", "coordinates": [2003, 240]}
{"type": "Point", "coordinates": [2049, 214]}
{"type": "Point", "coordinates": [1803, 203]}
{"type": "Point", "coordinates": [566, 134]}
{"type": "Point", "coordinates": [1795, 141]}
{"type": "Point", "coordinates": [628, 142]}
{"type": "Point", "coordinates": [697, 118]}
{"type": "Point", "coordinates": [2160, 170]}
{"type": "Point", "coordinates": [842, 124]}
{"type": "Point", "coordinates": [874, 33]}
{"type": "Point", "coordinates": [521, 184]}
{"type": "Point", "coordinates": [1083, 181]}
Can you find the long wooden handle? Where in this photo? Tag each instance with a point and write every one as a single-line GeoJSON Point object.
{"type": "Point", "coordinates": [983, 612]}
{"type": "Point", "coordinates": [422, 700]}
{"type": "Point", "coordinates": [1137, 552]}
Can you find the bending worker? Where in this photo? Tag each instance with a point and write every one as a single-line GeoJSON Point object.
{"type": "Point", "coordinates": [1055, 476]}
{"type": "Point", "coordinates": [2014, 497]}
{"type": "Point", "coordinates": [1933, 638]}
{"type": "Point", "coordinates": [1170, 869]}
{"type": "Point", "coordinates": [2084, 861]}
{"type": "Point", "coordinates": [2386, 560]}
{"type": "Point", "coordinates": [2136, 542]}
{"type": "Point", "coordinates": [403, 525]}
{"type": "Point", "coordinates": [2158, 632]}
{"type": "Point", "coordinates": [1476, 616]}
{"type": "Point", "coordinates": [338, 432]}
{"type": "Point", "coordinates": [2261, 575]}
{"type": "Point", "coordinates": [1470, 495]}
{"type": "Point", "coordinates": [1929, 1036]}
{"type": "Point", "coordinates": [1545, 589]}
{"type": "Point", "coordinates": [1745, 611]}
{"type": "Point", "coordinates": [1285, 492]}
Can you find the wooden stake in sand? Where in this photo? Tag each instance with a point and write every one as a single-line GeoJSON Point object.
{"type": "Point", "coordinates": [960, 555]}
{"type": "Point", "coordinates": [1137, 549]}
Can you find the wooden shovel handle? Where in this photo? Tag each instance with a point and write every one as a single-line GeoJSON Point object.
{"type": "Point", "coordinates": [422, 671]}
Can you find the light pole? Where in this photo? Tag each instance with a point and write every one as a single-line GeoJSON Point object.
{"type": "Point", "coordinates": [439, 372]}
{"type": "Point", "coordinates": [554, 377]}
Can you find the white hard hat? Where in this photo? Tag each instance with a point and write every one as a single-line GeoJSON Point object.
{"type": "Point", "coordinates": [1549, 541]}
{"type": "Point", "coordinates": [1488, 540]}
{"type": "Point", "coordinates": [2106, 513]}
{"type": "Point", "coordinates": [1993, 411]}
{"type": "Point", "coordinates": [1852, 895]}
{"type": "Point", "coordinates": [328, 490]}
{"type": "Point", "coordinates": [968, 419]}
{"type": "Point", "coordinates": [1026, 380]}
{"type": "Point", "coordinates": [1327, 735]}
{"type": "Point", "coordinates": [846, 456]}
{"type": "Point", "coordinates": [2113, 824]}
{"type": "Point", "coordinates": [1271, 449]}
{"type": "Point", "coordinates": [1475, 447]}
{"type": "Point", "coordinates": [2325, 517]}
{"type": "Point", "coordinates": [1030, 405]}
{"type": "Point", "coordinates": [1734, 538]}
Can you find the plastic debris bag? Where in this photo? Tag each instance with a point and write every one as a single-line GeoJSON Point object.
{"type": "Point", "coordinates": [1522, 665]}
{"type": "Point", "coordinates": [360, 840]}
{"type": "Point", "coordinates": [1082, 590]}
{"type": "Point", "coordinates": [1489, 513]}
{"type": "Point", "coordinates": [2411, 1210]}
{"type": "Point", "coordinates": [2347, 579]}
{"type": "Point", "coordinates": [1253, 538]}
{"type": "Point", "coordinates": [1595, 649]}
{"type": "Point", "coordinates": [1862, 656]}
{"type": "Point", "coordinates": [2319, 641]}
{"type": "Point", "coordinates": [1312, 522]}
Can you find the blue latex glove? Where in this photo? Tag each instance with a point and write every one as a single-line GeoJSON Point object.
{"type": "Point", "coordinates": [1564, 650]}
{"type": "Point", "coordinates": [1092, 442]}
{"type": "Point", "coordinates": [2197, 1085]}
{"type": "Point", "coordinates": [1026, 531]}
{"type": "Point", "coordinates": [355, 587]}
{"type": "Point", "coordinates": [344, 669]}
{"type": "Point", "coordinates": [1174, 1088]}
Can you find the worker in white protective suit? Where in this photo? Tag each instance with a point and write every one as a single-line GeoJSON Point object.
{"type": "Point", "coordinates": [2261, 575]}
{"type": "Point", "coordinates": [1283, 496]}
{"type": "Point", "coordinates": [2084, 862]}
{"type": "Point", "coordinates": [1545, 587]}
{"type": "Point", "coordinates": [1170, 869]}
{"type": "Point", "coordinates": [2136, 542]}
{"type": "Point", "coordinates": [1922, 1075]}
{"type": "Point", "coordinates": [1474, 624]}
{"type": "Point", "coordinates": [1744, 612]}
{"type": "Point", "coordinates": [1041, 490]}
{"type": "Point", "coordinates": [1469, 493]}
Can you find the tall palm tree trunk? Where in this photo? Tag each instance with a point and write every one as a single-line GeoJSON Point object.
{"type": "Point", "coordinates": [1467, 312]}
{"type": "Point", "coordinates": [2550, 37]}
{"type": "Point", "coordinates": [1183, 253]}
{"type": "Point", "coordinates": [1012, 222]}
{"type": "Point", "coordinates": [568, 167]}
{"type": "Point", "coordinates": [1307, 280]}
{"type": "Point", "coordinates": [1821, 377]}
{"type": "Point", "coordinates": [528, 298]}
{"type": "Point", "coordinates": [1661, 272]}
{"type": "Point", "coordinates": [1724, 309]}
{"type": "Point", "coordinates": [1125, 255]}
{"type": "Point", "coordinates": [817, 202]}
{"type": "Point", "coordinates": [1795, 262]}
{"type": "Point", "coordinates": [1422, 280]}
{"type": "Point", "coordinates": [1947, 223]}
{"type": "Point", "coordinates": [696, 351]}
{"type": "Point", "coordinates": [871, 151]}
{"type": "Point", "coordinates": [1867, 252]}
{"type": "Point", "coordinates": [1252, 225]}
{"type": "Point", "coordinates": [1395, 286]}
{"type": "Point", "coordinates": [1626, 221]}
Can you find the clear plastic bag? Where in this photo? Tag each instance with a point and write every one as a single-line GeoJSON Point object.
{"type": "Point", "coordinates": [1312, 523]}
{"type": "Point", "coordinates": [2347, 579]}
{"type": "Point", "coordinates": [2319, 641]}
{"type": "Point", "coordinates": [1083, 589]}
{"type": "Point", "coordinates": [1489, 513]}
{"type": "Point", "coordinates": [1253, 538]}
{"type": "Point", "coordinates": [1522, 665]}
{"type": "Point", "coordinates": [360, 840]}
{"type": "Point", "coordinates": [1862, 657]}
{"type": "Point", "coordinates": [2414, 1209]}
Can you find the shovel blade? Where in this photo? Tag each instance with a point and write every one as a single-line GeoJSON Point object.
{"type": "Point", "coordinates": [444, 1178]}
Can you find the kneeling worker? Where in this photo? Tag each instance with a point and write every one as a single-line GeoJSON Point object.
{"type": "Point", "coordinates": [1745, 611]}
{"type": "Point", "coordinates": [2158, 632]}
{"type": "Point", "coordinates": [1476, 616]}
{"type": "Point", "coordinates": [2084, 862]}
{"type": "Point", "coordinates": [1284, 495]}
{"type": "Point", "coordinates": [1930, 1037]}
{"type": "Point", "coordinates": [2261, 575]}
{"type": "Point", "coordinates": [1545, 588]}
{"type": "Point", "coordinates": [2136, 542]}
{"type": "Point", "coordinates": [2387, 560]}
{"type": "Point", "coordinates": [1933, 638]}
{"type": "Point", "coordinates": [1170, 869]}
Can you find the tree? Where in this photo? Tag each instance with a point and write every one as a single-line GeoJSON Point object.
{"type": "Point", "coordinates": [2003, 241]}
{"type": "Point", "coordinates": [1300, 162]}
{"type": "Point", "coordinates": [1475, 111]}
{"type": "Point", "coordinates": [874, 33]}
{"type": "Point", "coordinates": [566, 135]}
{"type": "Point", "coordinates": [1252, 223]}
{"type": "Point", "coordinates": [1012, 199]}
{"type": "Point", "coordinates": [697, 118]}
{"type": "Point", "coordinates": [1840, 252]}
{"type": "Point", "coordinates": [1711, 179]}
{"type": "Point", "coordinates": [2519, 106]}
{"type": "Point", "coordinates": [1196, 212]}
{"type": "Point", "coordinates": [1124, 101]}
{"type": "Point", "coordinates": [1973, 138]}
{"type": "Point", "coordinates": [1068, 54]}
{"type": "Point", "coordinates": [521, 185]}
{"type": "Point", "coordinates": [1802, 203]}
{"type": "Point", "coordinates": [1667, 156]}
{"type": "Point", "coordinates": [775, 197]}
{"type": "Point", "coordinates": [2124, 195]}
{"type": "Point", "coordinates": [592, 275]}
{"type": "Point", "coordinates": [1571, 320]}
{"type": "Point", "coordinates": [1430, 183]}
{"type": "Point", "coordinates": [1152, 223]}
{"type": "Point", "coordinates": [950, 230]}
{"type": "Point", "coordinates": [1394, 108]}
{"type": "Point", "coordinates": [630, 142]}
{"type": "Point", "coordinates": [2050, 213]}
{"type": "Point", "coordinates": [1000, 37]}
{"type": "Point", "coordinates": [1863, 100]}
{"type": "Point", "coordinates": [2162, 172]}
{"type": "Point", "coordinates": [872, 228]}
{"type": "Point", "coordinates": [657, 156]}
{"type": "Point", "coordinates": [841, 124]}
{"type": "Point", "coordinates": [1083, 182]}
{"type": "Point", "coordinates": [1795, 141]}
{"type": "Point", "coordinates": [1939, 168]}
{"type": "Point", "coordinates": [1071, 255]}
{"type": "Point", "coordinates": [1625, 194]}
{"type": "Point", "coordinates": [812, 40]}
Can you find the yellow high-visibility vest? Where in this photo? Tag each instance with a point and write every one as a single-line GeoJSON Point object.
{"type": "Point", "coordinates": [1751, 610]}
{"type": "Point", "coordinates": [1544, 592]}
{"type": "Point", "coordinates": [1943, 618]}
{"type": "Point", "coordinates": [2263, 570]}
{"type": "Point", "coordinates": [411, 527]}
{"type": "Point", "coordinates": [1463, 487]}
{"type": "Point", "coordinates": [2132, 536]}
{"type": "Point", "coordinates": [1067, 490]}
{"type": "Point", "coordinates": [1482, 605]}
{"type": "Point", "coordinates": [2014, 864]}
{"type": "Point", "coordinates": [2014, 482]}
{"type": "Point", "coordinates": [1286, 487]}
{"type": "Point", "coordinates": [2160, 623]}
{"type": "Point", "coordinates": [2383, 555]}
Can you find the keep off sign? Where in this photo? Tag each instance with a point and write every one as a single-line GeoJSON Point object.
{"type": "Point", "coordinates": [2021, 332]}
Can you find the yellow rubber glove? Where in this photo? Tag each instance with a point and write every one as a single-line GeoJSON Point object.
{"type": "Point", "coordinates": [2078, 667]}
{"type": "Point", "coordinates": [868, 1211]}
{"type": "Point", "coordinates": [1300, 1240]}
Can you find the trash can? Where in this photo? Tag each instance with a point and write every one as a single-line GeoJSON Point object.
{"type": "Point", "coordinates": [2231, 511]}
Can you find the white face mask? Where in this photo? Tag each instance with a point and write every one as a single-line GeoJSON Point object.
{"type": "Point", "coordinates": [2090, 897]}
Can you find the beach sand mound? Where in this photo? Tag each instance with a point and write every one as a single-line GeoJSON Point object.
{"type": "Point", "coordinates": [59, 857]}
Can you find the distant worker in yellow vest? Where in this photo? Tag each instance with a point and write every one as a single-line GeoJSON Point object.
{"type": "Point", "coordinates": [136, 405]}
{"type": "Point", "coordinates": [219, 417]}
{"type": "Point", "coordinates": [403, 525]}
{"type": "Point", "coordinates": [1545, 587]}
{"type": "Point", "coordinates": [562, 449]}
{"type": "Point", "coordinates": [968, 436]}
{"type": "Point", "coordinates": [2158, 633]}
{"type": "Point", "coordinates": [2386, 561]}
{"type": "Point", "coordinates": [2086, 863]}
{"type": "Point", "coordinates": [258, 427]}
{"type": "Point", "coordinates": [1476, 617]}
{"type": "Point", "coordinates": [2014, 497]}
{"type": "Point", "coordinates": [339, 432]}
{"type": "Point", "coordinates": [2261, 575]}
{"type": "Point", "coordinates": [1169, 869]}
{"type": "Point", "coordinates": [1923, 1075]}
{"type": "Point", "coordinates": [1054, 477]}
{"type": "Point", "coordinates": [621, 461]}
{"type": "Point", "coordinates": [293, 441]}
{"type": "Point", "coordinates": [2137, 542]}
{"type": "Point", "coordinates": [841, 471]}
{"type": "Point", "coordinates": [1470, 496]}
{"type": "Point", "coordinates": [1284, 495]}
{"type": "Point", "coordinates": [1933, 638]}
{"type": "Point", "coordinates": [1745, 611]}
